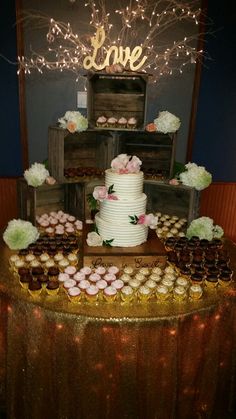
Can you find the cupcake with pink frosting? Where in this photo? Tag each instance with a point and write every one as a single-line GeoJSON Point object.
{"type": "Point", "coordinates": [70, 270]}
{"type": "Point", "coordinates": [91, 294]}
{"type": "Point", "coordinates": [113, 270]}
{"type": "Point", "coordinates": [94, 277]}
{"type": "Point", "coordinates": [74, 294]}
{"type": "Point", "coordinates": [109, 278]}
{"type": "Point", "coordinates": [110, 294]}
{"type": "Point", "coordinates": [100, 270]}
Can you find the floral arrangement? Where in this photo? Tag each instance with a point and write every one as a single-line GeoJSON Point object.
{"type": "Point", "coordinates": [204, 228]}
{"type": "Point", "coordinates": [167, 122]}
{"type": "Point", "coordinates": [100, 193]}
{"type": "Point", "coordinates": [94, 239]}
{"type": "Point", "coordinates": [19, 234]}
{"type": "Point", "coordinates": [149, 220]}
{"type": "Point", "coordinates": [73, 121]}
{"type": "Point", "coordinates": [124, 164]}
{"type": "Point", "coordinates": [195, 176]}
{"type": "Point", "coordinates": [37, 174]}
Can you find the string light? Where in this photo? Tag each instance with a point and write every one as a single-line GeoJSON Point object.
{"type": "Point", "coordinates": [140, 19]}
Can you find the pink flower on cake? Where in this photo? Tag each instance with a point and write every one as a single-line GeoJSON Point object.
{"type": "Point", "coordinates": [112, 197]}
{"type": "Point", "coordinates": [133, 166]}
{"type": "Point", "coordinates": [120, 162]}
{"type": "Point", "coordinates": [100, 193]}
{"type": "Point", "coordinates": [149, 220]}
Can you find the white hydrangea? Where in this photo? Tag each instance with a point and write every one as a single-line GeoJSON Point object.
{"type": "Point", "coordinates": [167, 122]}
{"type": "Point", "coordinates": [195, 176]}
{"type": "Point", "coordinates": [36, 174]}
{"type": "Point", "coordinates": [204, 228]}
{"type": "Point", "coordinates": [19, 234]}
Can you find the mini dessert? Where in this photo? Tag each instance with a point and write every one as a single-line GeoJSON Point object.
{"type": "Point", "coordinates": [74, 294]}
{"type": "Point", "coordinates": [109, 294]}
{"type": "Point", "coordinates": [78, 276]}
{"type": "Point", "coordinates": [140, 277]}
{"type": "Point", "coordinates": [25, 280]}
{"type": "Point", "coordinates": [168, 283]}
{"type": "Point", "coordinates": [144, 293]}
{"type": "Point", "coordinates": [162, 293]}
{"type": "Point", "coordinates": [118, 284]}
{"type": "Point", "coordinates": [52, 287]}
{"type": "Point", "coordinates": [113, 270]}
{"type": "Point", "coordinates": [91, 293]}
{"type": "Point", "coordinates": [50, 262]}
{"type": "Point", "coordinates": [37, 271]}
{"type": "Point", "coordinates": [111, 122]}
{"type": "Point", "coordinates": [179, 293]}
{"type": "Point", "coordinates": [70, 270]}
{"type": "Point", "coordinates": [132, 123]}
{"type": "Point", "coordinates": [150, 284]}
{"type": "Point", "coordinates": [44, 257]}
{"type": "Point", "coordinates": [101, 284]}
{"type": "Point", "coordinates": [154, 277]}
{"type": "Point", "coordinates": [128, 270]}
{"type": "Point", "coordinates": [224, 279]}
{"type": "Point", "coordinates": [62, 277]}
{"type": "Point", "coordinates": [144, 271]}
{"type": "Point", "coordinates": [100, 270]}
{"type": "Point", "coordinates": [69, 283]}
{"type": "Point", "coordinates": [19, 263]}
{"type": "Point", "coordinates": [195, 292]}
{"type": "Point", "coordinates": [23, 271]}
{"type": "Point", "coordinates": [197, 278]}
{"type": "Point", "coordinates": [58, 256]}
{"type": "Point", "coordinates": [126, 278]}
{"type": "Point", "coordinates": [157, 270]}
{"type": "Point", "coordinates": [73, 259]}
{"type": "Point", "coordinates": [110, 278]}
{"type": "Point", "coordinates": [182, 282]}
{"type": "Point", "coordinates": [13, 259]}
{"type": "Point", "coordinates": [63, 264]}
{"type": "Point", "coordinates": [35, 288]}
{"type": "Point", "coordinates": [211, 281]}
{"type": "Point", "coordinates": [134, 283]}
{"type": "Point", "coordinates": [84, 284]}
{"type": "Point", "coordinates": [29, 258]}
{"type": "Point", "coordinates": [122, 122]}
{"type": "Point", "coordinates": [101, 121]}
{"type": "Point", "coordinates": [127, 294]}
{"type": "Point", "coordinates": [53, 272]}
{"type": "Point", "coordinates": [94, 277]}
{"type": "Point", "coordinates": [86, 270]}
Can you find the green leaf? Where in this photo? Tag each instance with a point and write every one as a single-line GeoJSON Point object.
{"type": "Point", "coordinates": [92, 202]}
{"type": "Point", "coordinates": [178, 168]}
{"type": "Point", "coordinates": [107, 242]}
{"type": "Point", "coordinates": [134, 219]}
{"type": "Point", "coordinates": [110, 189]}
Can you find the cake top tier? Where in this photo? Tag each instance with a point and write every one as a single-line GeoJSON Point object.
{"type": "Point", "coordinates": [126, 185]}
{"type": "Point", "coordinates": [124, 164]}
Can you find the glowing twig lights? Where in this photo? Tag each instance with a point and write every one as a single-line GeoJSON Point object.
{"type": "Point", "coordinates": [148, 24]}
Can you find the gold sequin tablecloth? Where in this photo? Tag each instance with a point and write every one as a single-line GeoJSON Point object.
{"type": "Point", "coordinates": [137, 361]}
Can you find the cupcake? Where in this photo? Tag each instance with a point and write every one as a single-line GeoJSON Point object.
{"type": "Point", "coordinates": [132, 123]}
{"type": "Point", "coordinates": [134, 283]}
{"type": "Point", "coordinates": [195, 292]}
{"type": "Point", "coordinates": [211, 281]}
{"type": "Point", "coordinates": [78, 276]}
{"type": "Point", "coordinates": [101, 121]}
{"type": "Point", "coordinates": [62, 277]}
{"type": "Point", "coordinates": [86, 270]}
{"type": "Point", "coordinates": [74, 294]}
{"type": "Point", "coordinates": [100, 270]}
{"type": "Point", "coordinates": [144, 293]}
{"type": "Point", "coordinates": [224, 279]}
{"type": "Point", "coordinates": [140, 277]}
{"type": "Point", "coordinates": [109, 294]}
{"type": "Point", "coordinates": [127, 294]}
{"type": "Point", "coordinates": [109, 278]}
{"type": "Point", "coordinates": [25, 280]}
{"type": "Point", "coordinates": [126, 278]}
{"type": "Point", "coordinates": [43, 279]}
{"type": "Point", "coordinates": [70, 270]}
{"type": "Point", "coordinates": [94, 277]}
{"type": "Point", "coordinates": [128, 270]}
{"type": "Point", "coordinates": [53, 272]}
{"type": "Point", "coordinates": [73, 259]}
{"type": "Point", "coordinates": [63, 264]}
{"type": "Point", "coordinates": [144, 271]}
{"type": "Point", "coordinates": [91, 294]}
{"type": "Point", "coordinates": [13, 259]}
{"type": "Point", "coordinates": [182, 282]}
{"type": "Point", "coordinates": [168, 283]}
{"type": "Point", "coordinates": [52, 287]}
{"type": "Point", "coordinates": [156, 270]}
{"type": "Point", "coordinates": [122, 123]}
{"type": "Point", "coordinates": [154, 277]}
{"type": "Point", "coordinates": [84, 284]}
{"type": "Point", "coordinates": [112, 122]}
{"type": "Point", "coordinates": [35, 288]}
{"type": "Point", "coordinates": [113, 270]}
{"type": "Point", "coordinates": [118, 284]}
{"type": "Point", "coordinates": [179, 293]}
{"type": "Point", "coordinates": [101, 284]}
{"type": "Point", "coordinates": [69, 283]}
{"type": "Point", "coordinates": [162, 292]}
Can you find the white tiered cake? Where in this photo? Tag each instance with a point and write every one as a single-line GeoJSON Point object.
{"type": "Point", "coordinates": [121, 218]}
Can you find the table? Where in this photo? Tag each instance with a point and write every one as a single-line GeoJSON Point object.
{"type": "Point", "coordinates": [143, 361]}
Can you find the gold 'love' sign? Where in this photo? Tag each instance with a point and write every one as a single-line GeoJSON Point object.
{"type": "Point", "coordinates": [121, 55]}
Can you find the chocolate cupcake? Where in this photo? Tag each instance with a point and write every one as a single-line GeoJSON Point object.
{"type": "Point", "coordinates": [43, 279]}
{"type": "Point", "coordinates": [52, 287]}
{"type": "Point", "coordinates": [37, 271]}
{"type": "Point", "coordinates": [197, 278]}
{"type": "Point", "coordinates": [35, 288]}
{"type": "Point", "coordinates": [23, 271]}
{"type": "Point", "coordinates": [25, 280]}
{"type": "Point", "coordinates": [211, 281]}
{"type": "Point", "coordinates": [53, 272]}
{"type": "Point", "coordinates": [224, 279]}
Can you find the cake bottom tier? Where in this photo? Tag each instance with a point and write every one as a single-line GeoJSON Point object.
{"type": "Point", "coordinates": [127, 235]}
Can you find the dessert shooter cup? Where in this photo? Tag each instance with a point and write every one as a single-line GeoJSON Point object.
{"type": "Point", "coordinates": [162, 293]}
{"type": "Point", "coordinates": [195, 292]}
{"type": "Point", "coordinates": [179, 293]}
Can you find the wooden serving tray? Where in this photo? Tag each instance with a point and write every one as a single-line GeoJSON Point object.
{"type": "Point", "coordinates": [149, 254]}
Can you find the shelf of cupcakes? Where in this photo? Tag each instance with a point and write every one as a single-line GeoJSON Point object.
{"type": "Point", "coordinates": [170, 226]}
{"type": "Point", "coordinates": [108, 285]}
{"type": "Point", "coordinates": [38, 267]}
{"type": "Point", "coordinates": [83, 173]}
{"type": "Point", "coordinates": [112, 122]}
{"type": "Point", "coordinates": [205, 262]}
{"type": "Point", "coordinates": [58, 223]}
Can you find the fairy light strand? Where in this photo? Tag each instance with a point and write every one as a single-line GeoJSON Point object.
{"type": "Point", "coordinates": [66, 49]}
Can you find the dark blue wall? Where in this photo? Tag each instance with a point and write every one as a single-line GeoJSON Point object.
{"type": "Point", "coordinates": [215, 137]}
{"type": "Point", "coordinates": [10, 155]}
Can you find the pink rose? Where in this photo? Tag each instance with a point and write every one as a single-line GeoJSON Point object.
{"type": "Point", "coordinates": [174, 182]}
{"type": "Point", "coordinates": [123, 171]}
{"type": "Point", "coordinates": [120, 162]}
{"type": "Point", "coordinates": [112, 197]}
{"type": "Point", "coordinates": [100, 193]}
{"type": "Point", "coordinates": [141, 219]}
{"type": "Point", "coordinates": [50, 180]}
{"type": "Point", "coordinates": [71, 126]}
{"type": "Point", "coordinates": [133, 166]}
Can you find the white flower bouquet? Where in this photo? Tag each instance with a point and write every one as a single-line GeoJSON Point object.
{"type": "Point", "coordinates": [73, 121]}
{"type": "Point", "coordinates": [36, 175]}
{"type": "Point", "coordinates": [167, 122]}
{"type": "Point", "coordinates": [195, 176]}
{"type": "Point", "coordinates": [19, 234]}
{"type": "Point", "coordinates": [204, 228]}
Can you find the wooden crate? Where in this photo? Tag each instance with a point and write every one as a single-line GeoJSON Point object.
{"type": "Point", "coordinates": [180, 200]}
{"type": "Point", "coordinates": [155, 150]}
{"type": "Point", "coordinates": [117, 95]}
{"type": "Point", "coordinates": [86, 149]}
{"type": "Point", "coordinates": [44, 199]}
